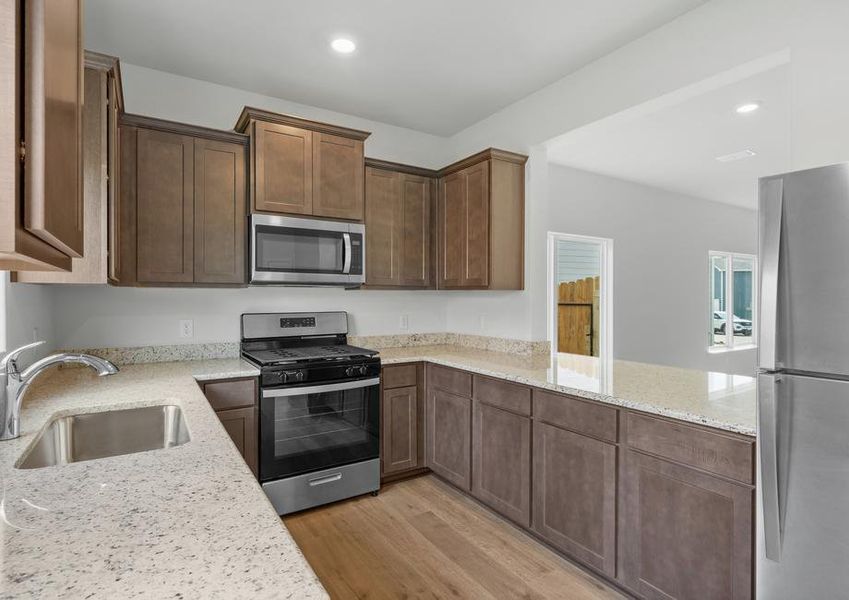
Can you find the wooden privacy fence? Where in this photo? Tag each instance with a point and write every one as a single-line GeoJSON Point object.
{"type": "Point", "coordinates": [578, 316]}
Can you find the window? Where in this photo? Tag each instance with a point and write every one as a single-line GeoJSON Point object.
{"type": "Point", "coordinates": [733, 278]}
{"type": "Point", "coordinates": [580, 311]}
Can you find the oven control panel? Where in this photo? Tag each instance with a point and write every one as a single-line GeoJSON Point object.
{"type": "Point", "coordinates": [297, 322]}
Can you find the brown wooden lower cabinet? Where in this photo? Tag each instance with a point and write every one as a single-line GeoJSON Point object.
{"type": "Point", "coordinates": [235, 403]}
{"type": "Point", "coordinates": [501, 461]}
{"type": "Point", "coordinates": [662, 507]}
{"type": "Point", "coordinates": [684, 534]}
{"type": "Point", "coordinates": [399, 416]}
{"type": "Point", "coordinates": [449, 437]}
{"type": "Point", "coordinates": [241, 424]}
{"type": "Point", "coordinates": [575, 495]}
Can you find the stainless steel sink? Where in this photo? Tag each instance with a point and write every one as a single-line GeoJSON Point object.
{"type": "Point", "coordinates": [87, 436]}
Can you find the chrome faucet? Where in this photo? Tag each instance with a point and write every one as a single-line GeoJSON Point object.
{"type": "Point", "coordinates": [14, 382]}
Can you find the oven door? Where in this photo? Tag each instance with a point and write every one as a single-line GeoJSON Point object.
{"type": "Point", "coordinates": [315, 427]}
{"type": "Point", "coordinates": [306, 251]}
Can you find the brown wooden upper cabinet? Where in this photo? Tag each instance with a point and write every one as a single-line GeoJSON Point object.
{"type": "Point", "coordinates": [103, 101]}
{"type": "Point", "coordinates": [398, 214]}
{"type": "Point", "coordinates": [480, 222]}
{"type": "Point", "coordinates": [304, 167]}
{"type": "Point", "coordinates": [41, 109]}
{"type": "Point", "coordinates": [183, 204]}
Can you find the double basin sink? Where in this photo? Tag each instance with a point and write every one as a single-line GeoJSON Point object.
{"type": "Point", "coordinates": [87, 436]}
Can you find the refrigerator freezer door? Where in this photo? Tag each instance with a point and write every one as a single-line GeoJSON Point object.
{"type": "Point", "coordinates": [809, 432]}
{"type": "Point", "coordinates": [807, 282]}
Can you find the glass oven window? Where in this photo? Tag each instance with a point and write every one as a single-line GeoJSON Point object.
{"type": "Point", "coordinates": [298, 250]}
{"type": "Point", "coordinates": [312, 431]}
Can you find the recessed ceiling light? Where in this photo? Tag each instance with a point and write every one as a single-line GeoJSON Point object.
{"type": "Point", "coordinates": [343, 45]}
{"type": "Point", "coordinates": [736, 155]}
{"type": "Point", "coordinates": [748, 107]}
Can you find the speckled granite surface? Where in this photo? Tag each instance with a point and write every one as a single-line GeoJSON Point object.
{"type": "Point", "coordinates": [186, 522]}
{"type": "Point", "coordinates": [134, 355]}
{"type": "Point", "coordinates": [714, 399]}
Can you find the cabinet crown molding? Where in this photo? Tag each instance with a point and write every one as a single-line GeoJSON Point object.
{"type": "Point", "coordinates": [489, 153]}
{"type": "Point", "coordinates": [249, 114]}
{"type": "Point", "coordinates": [131, 120]}
{"type": "Point", "coordinates": [105, 62]}
{"type": "Point", "coordinates": [386, 165]}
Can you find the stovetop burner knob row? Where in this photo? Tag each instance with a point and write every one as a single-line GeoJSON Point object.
{"type": "Point", "coordinates": [356, 370]}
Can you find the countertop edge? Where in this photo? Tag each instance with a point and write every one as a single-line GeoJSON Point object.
{"type": "Point", "coordinates": [677, 415]}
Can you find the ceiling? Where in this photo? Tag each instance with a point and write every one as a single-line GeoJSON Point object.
{"type": "Point", "coordinates": [436, 66]}
{"type": "Point", "coordinates": [675, 148]}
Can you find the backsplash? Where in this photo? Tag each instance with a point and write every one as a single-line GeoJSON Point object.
{"type": "Point", "coordinates": [179, 352]}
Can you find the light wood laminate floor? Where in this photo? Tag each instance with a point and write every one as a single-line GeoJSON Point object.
{"type": "Point", "coordinates": [422, 539]}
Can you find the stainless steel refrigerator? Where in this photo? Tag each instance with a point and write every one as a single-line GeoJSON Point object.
{"type": "Point", "coordinates": [803, 386]}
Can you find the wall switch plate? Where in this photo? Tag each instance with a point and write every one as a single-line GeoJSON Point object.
{"type": "Point", "coordinates": [404, 322]}
{"type": "Point", "coordinates": [187, 328]}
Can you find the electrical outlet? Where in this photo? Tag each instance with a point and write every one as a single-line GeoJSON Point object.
{"type": "Point", "coordinates": [187, 328]}
{"type": "Point", "coordinates": [404, 322]}
{"type": "Point", "coordinates": [35, 334]}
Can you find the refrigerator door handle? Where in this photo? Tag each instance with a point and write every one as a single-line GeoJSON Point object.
{"type": "Point", "coordinates": [771, 211]}
{"type": "Point", "coordinates": [768, 451]}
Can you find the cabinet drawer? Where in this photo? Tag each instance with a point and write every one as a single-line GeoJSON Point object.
{"type": "Point", "coordinates": [235, 393]}
{"type": "Point", "coordinates": [576, 415]}
{"type": "Point", "coordinates": [509, 396]}
{"type": "Point", "coordinates": [450, 380]}
{"type": "Point", "coordinates": [713, 452]}
{"type": "Point", "coordinates": [399, 376]}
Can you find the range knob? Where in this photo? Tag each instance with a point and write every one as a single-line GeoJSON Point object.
{"type": "Point", "coordinates": [363, 369]}
{"type": "Point", "coordinates": [291, 376]}
{"type": "Point", "coordinates": [349, 372]}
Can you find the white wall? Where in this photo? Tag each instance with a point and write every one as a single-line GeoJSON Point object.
{"type": "Point", "coordinates": [660, 262]}
{"type": "Point", "coordinates": [29, 314]}
{"type": "Point", "coordinates": [100, 316]}
{"type": "Point", "coordinates": [166, 96]}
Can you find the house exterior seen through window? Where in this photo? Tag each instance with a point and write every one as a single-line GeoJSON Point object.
{"type": "Point", "coordinates": [732, 319]}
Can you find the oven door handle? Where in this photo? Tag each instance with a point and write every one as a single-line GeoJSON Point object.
{"type": "Point", "coordinates": [346, 260]}
{"type": "Point", "coordinates": [317, 389]}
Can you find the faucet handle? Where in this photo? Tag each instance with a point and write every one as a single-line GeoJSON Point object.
{"type": "Point", "coordinates": [9, 362]}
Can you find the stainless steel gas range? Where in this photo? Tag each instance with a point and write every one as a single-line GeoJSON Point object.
{"type": "Point", "coordinates": [319, 434]}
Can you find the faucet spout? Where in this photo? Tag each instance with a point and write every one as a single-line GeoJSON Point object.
{"type": "Point", "coordinates": [14, 382]}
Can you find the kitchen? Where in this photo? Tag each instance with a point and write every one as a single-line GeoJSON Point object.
{"type": "Point", "coordinates": [330, 297]}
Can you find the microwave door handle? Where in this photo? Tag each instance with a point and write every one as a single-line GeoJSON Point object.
{"type": "Point", "coordinates": [346, 253]}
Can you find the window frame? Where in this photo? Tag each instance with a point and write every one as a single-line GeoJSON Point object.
{"type": "Point", "coordinates": [730, 345]}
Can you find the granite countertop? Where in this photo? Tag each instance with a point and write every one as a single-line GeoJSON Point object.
{"type": "Point", "coordinates": [189, 521]}
{"type": "Point", "coordinates": [717, 400]}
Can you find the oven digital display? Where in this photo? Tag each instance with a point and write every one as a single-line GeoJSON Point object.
{"type": "Point", "coordinates": [297, 322]}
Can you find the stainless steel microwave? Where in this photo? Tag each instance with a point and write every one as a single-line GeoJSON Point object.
{"type": "Point", "coordinates": [299, 251]}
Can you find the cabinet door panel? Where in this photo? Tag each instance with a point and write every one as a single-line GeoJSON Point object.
{"type": "Point", "coordinates": [219, 204]}
{"type": "Point", "coordinates": [452, 228]}
{"type": "Point", "coordinates": [337, 177]}
{"type": "Point", "coordinates": [400, 429]}
{"type": "Point", "coordinates": [449, 437]}
{"type": "Point", "coordinates": [241, 426]}
{"type": "Point", "coordinates": [575, 495]}
{"type": "Point", "coordinates": [415, 230]}
{"type": "Point", "coordinates": [476, 254]}
{"type": "Point", "coordinates": [501, 467]}
{"type": "Point", "coordinates": [685, 534]}
{"type": "Point", "coordinates": [53, 88]}
{"type": "Point", "coordinates": [283, 168]}
{"type": "Point", "coordinates": [164, 207]}
{"type": "Point", "coordinates": [383, 227]}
